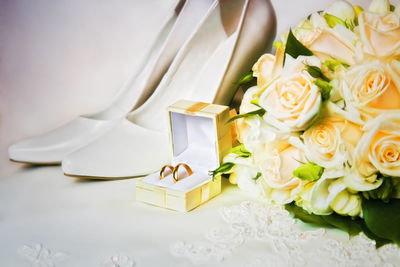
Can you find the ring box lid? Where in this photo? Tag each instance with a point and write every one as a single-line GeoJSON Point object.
{"type": "Point", "coordinates": [196, 129]}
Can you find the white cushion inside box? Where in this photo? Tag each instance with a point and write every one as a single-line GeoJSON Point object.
{"type": "Point", "coordinates": [194, 142]}
{"type": "Point", "coordinates": [184, 185]}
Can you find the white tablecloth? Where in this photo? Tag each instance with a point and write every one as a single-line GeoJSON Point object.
{"type": "Point", "coordinates": [64, 58]}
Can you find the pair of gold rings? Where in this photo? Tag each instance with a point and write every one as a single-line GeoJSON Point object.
{"type": "Point", "coordinates": [174, 171]}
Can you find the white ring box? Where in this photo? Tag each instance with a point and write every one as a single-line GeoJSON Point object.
{"type": "Point", "coordinates": [200, 136]}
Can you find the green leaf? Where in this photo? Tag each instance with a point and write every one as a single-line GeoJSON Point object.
{"type": "Point", "coordinates": [248, 77]}
{"type": "Point", "coordinates": [319, 12]}
{"type": "Point", "coordinates": [255, 102]}
{"type": "Point", "coordinates": [277, 44]}
{"type": "Point", "coordinates": [383, 192]}
{"type": "Point", "coordinates": [352, 226]}
{"type": "Point", "coordinates": [332, 20]}
{"type": "Point", "coordinates": [223, 168]}
{"type": "Point", "coordinates": [392, 7]}
{"type": "Point", "coordinates": [333, 63]}
{"type": "Point", "coordinates": [260, 112]}
{"type": "Point", "coordinates": [379, 241]}
{"type": "Point", "coordinates": [316, 72]}
{"type": "Point", "coordinates": [309, 171]}
{"type": "Point", "coordinates": [295, 48]}
{"type": "Point", "coordinates": [305, 216]}
{"type": "Point", "coordinates": [257, 176]}
{"type": "Point", "coordinates": [241, 151]}
{"type": "Point", "coordinates": [383, 219]}
{"type": "Point", "coordinates": [325, 88]}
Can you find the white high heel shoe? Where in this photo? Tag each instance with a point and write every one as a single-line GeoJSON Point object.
{"type": "Point", "coordinates": [53, 146]}
{"type": "Point", "coordinates": [232, 36]}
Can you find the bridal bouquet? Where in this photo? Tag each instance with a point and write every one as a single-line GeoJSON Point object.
{"type": "Point", "coordinates": [320, 133]}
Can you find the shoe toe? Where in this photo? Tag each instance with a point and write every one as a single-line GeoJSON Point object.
{"type": "Point", "coordinates": [52, 147]}
{"type": "Point", "coordinates": [127, 150]}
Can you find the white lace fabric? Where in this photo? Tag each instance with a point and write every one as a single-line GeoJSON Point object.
{"type": "Point", "coordinates": [289, 245]}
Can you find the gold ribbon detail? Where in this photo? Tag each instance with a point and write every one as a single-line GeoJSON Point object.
{"type": "Point", "coordinates": [197, 107]}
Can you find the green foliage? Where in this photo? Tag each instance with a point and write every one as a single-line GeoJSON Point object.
{"type": "Point", "coordinates": [332, 20]}
{"type": "Point", "coordinates": [257, 176]}
{"type": "Point", "coordinates": [333, 63]}
{"type": "Point", "coordinates": [316, 72]}
{"type": "Point", "coordinates": [295, 48]}
{"type": "Point", "coordinates": [260, 112]}
{"type": "Point", "coordinates": [352, 226]}
{"type": "Point", "coordinates": [383, 192]}
{"type": "Point", "coordinates": [277, 44]}
{"type": "Point", "coordinates": [319, 12]}
{"type": "Point", "coordinates": [379, 240]}
{"type": "Point", "coordinates": [305, 216]}
{"type": "Point", "coordinates": [255, 102]}
{"type": "Point", "coordinates": [241, 151]}
{"type": "Point", "coordinates": [223, 168]}
{"type": "Point", "coordinates": [248, 77]}
{"type": "Point", "coordinates": [383, 219]}
{"type": "Point", "coordinates": [309, 171]}
{"type": "Point", "coordinates": [324, 87]}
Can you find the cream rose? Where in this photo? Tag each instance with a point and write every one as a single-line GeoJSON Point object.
{"type": "Point", "coordinates": [253, 131]}
{"type": "Point", "coordinates": [329, 142]}
{"type": "Point", "coordinates": [379, 148]}
{"type": "Point", "coordinates": [292, 100]}
{"type": "Point", "coordinates": [323, 145]}
{"type": "Point", "coordinates": [380, 33]}
{"type": "Point", "coordinates": [326, 42]}
{"type": "Point", "coordinates": [268, 67]}
{"type": "Point", "coordinates": [277, 166]}
{"type": "Point", "coordinates": [248, 129]}
{"type": "Point", "coordinates": [246, 106]}
{"type": "Point", "coordinates": [373, 88]}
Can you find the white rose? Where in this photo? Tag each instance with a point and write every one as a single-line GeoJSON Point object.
{"type": "Point", "coordinates": [328, 195]}
{"type": "Point", "coordinates": [379, 6]}
{"type": "Point", "coordinates": [243, 174]}
{"type": "Point", "coordinates": [372, 88]}
{"type": "Point", "coordinates": [343, 10]}
{"type": "Point", "coordinates": [347, 204]}
{"type": "Point", "coordinates": [254, 133]}
{"type": "Point", "coordinates": [292, 100]}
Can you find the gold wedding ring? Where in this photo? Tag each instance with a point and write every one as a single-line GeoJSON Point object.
{"type": "Point", "coordinates": [175, 171]}
{"type": "Point", "coordinates": [162, 171]}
